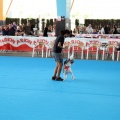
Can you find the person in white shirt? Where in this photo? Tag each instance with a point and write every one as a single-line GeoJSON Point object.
{"type": "Point", "coordinates": [102, 30]}
{"type": "Point", "coordinates": [89, 29]}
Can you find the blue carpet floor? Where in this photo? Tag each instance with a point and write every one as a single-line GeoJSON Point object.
{"type": "Point", "coordinates": [28, 93]}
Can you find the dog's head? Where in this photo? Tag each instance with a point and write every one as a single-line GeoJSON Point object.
{"type": "Point", "coordinates": [69, 61]}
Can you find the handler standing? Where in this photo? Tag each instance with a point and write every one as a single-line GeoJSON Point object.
{"type": "Point", "coordinates": [57, 54]}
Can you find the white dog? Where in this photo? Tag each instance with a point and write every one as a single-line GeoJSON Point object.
{"type": "Point", "coordinates": [67, 67]}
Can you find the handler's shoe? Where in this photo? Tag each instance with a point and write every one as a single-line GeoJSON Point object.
{"type": "Point", "coordinates": [59, 79]}
{"type": "Point", "coordinates": [53, 78]}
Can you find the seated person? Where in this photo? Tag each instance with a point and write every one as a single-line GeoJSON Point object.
{"type": "Point", "coordinates": [71, 35]}
{"type": "Point", "coordinates": [5, 31]}
{"type": "Point", "coordinates": [19, 31]}
{"type": "Point", "coordinates": [28, 29]}
{"type": "Point", "coordinates": [11, 30]}
{"type": "Point", "coordinates": [94, 31]}
{"type": "Point", "coordinates": [45, 33]}
{"type": "Point", "coordinates": [50, 28]}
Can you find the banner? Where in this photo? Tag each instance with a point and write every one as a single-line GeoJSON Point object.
{"type": "Point", "coordinates": [22, 43]}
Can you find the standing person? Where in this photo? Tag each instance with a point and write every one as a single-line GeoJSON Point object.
{"type": "Point", "coordinates": [57, 54]}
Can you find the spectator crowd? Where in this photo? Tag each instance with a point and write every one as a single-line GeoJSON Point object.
{"type": "Point", "coordinates": [30, 30]}
{"type": "Point", "coordinates": [103, 30]}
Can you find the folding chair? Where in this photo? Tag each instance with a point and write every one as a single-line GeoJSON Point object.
{"type": "Point", "coordinates": [66, 49]}
{"type": "Point", "coordinates": [109, 51]}
{"type": "Point", "coordinates": [50, 47]}
{"type": "Point", "coordinates": [78, 48]}
{"type": "Point", "coordinates": [93, 48]}
{"type": "Point", "coordinates": [102, 49]}
{"type": "Point", "coordinates": [118, 53]}
{"type": "Point", "coordinates": [40, 47]}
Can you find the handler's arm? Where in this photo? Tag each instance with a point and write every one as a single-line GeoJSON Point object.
{"type": "Point", "coordinates": [59, 45]}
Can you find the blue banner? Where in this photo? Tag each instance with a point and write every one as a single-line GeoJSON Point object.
{"type": "Point", "coordinates": [63, 8]}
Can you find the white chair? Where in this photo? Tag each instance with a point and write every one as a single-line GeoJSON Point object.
{"type": "Point", "coordinates": [93, 48]}
{"type": "Point", "coordinates": [66, 49]}
{"type": "Point", "coordinates": [78, 48]}
{"type": "Point", "coordinates": [102, 49]}
{"type": "Point", "coordinates": [40, 47]}
{"type": "Point", "coordinates": [50, 47]}
{"type": "Point", "coordinates": [118, 53]}
{"type": "Point", "coordinates": [109, 50]}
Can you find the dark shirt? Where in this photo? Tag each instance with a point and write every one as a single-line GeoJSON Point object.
{"type": "Point", "coordinates": [107, 30]}
{"type": "Point", "coordinates": [45, 34]}
{"type": "Point", "coordinates": [19, 31]}
{"type": "Point", "coordinates": [115, 32]}
{"type": "Point", "coordinates": [11, 32]}
{"type": "Point", "coordinates": [95, 33]}
{"type": "Point", "coordinates": [71, 35]}
{"type": "Point", "coordinates": [118, 49]}
{"type": "Point", "coordinates": [57, 49]}
{"type": "Point", "coordinates": [27, 30]}
{"type": "Point", "coordinates": [4, 32]}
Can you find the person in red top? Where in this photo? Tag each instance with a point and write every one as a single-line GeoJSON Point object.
{"type": "Point", "coordinates": [5, 30]}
